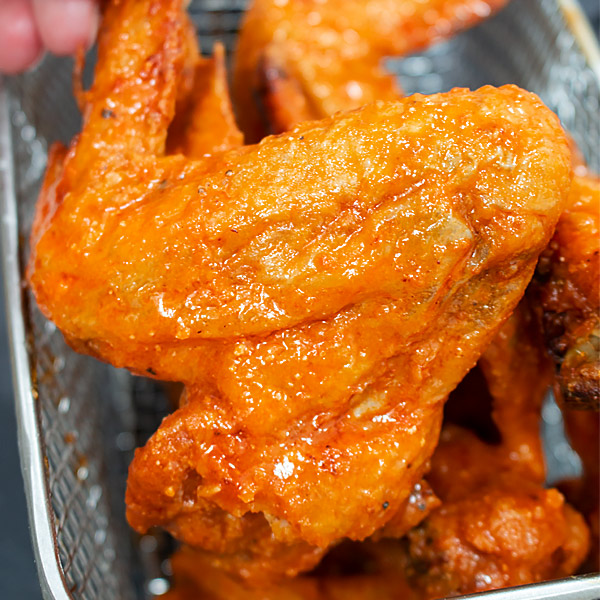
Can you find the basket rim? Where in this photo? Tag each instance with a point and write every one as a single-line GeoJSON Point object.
{"type": "Point", "coordinates": [39, 508]}
{"type": "Point", "coordinates": [580, 28]}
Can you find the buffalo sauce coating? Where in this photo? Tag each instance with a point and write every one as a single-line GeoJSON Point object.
{"type": "Point", "coordinates": [297, 421]}
{"type": "Point", "coordinates": [319, 294]}
{"type": "Point", "coordinates": [307, 59]}
{"type": "Point", "coordinates": [497, 525]}
{"type": "Point", "coordinates": [568, 294]}
{"type": "Point", "coordinates": [247, 242]}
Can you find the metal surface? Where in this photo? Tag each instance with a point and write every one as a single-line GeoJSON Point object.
{"type": "Point", "coordinates": [585, 587]}
{"type": "Point", "coordinates": [29, 439]}
{"type": "Point", "coordinates": [79, 420]}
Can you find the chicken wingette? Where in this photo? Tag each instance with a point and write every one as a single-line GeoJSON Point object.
{"type": "Point", "coordinates": [298, 60]}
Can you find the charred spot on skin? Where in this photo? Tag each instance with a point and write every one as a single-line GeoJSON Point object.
{"type": "Point", "coordinates": [420, 567]}
{"type": "Point", "coordinates": [581, 393]}
{"type": "Point", "coordinates": [151, 371]}
{"type": "Point", "coordinates": [421, 506]}
{"type": "Point", "coordinates": [229, 173]}
{"type": "Point", "coordinates": [301, 137]}
{"type": "Point", "coordinates": [201, 191]}
{"type": "Point", "coordinates": [107, 113]}
{"type": "Point", "coordinates": [385, 505]}
{"type": "Point", "coordinates": [233, 230]}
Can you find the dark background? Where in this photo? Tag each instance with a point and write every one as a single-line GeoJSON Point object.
{"type": "Point", "coordinates": [18, 576]}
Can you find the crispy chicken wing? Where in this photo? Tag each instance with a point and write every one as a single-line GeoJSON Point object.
{"type": "Point", "coordinates": [204, 121]}
{"type": "Point", "coordinates": [380, 577]}
{"type": "Point", "coordinates": [307, 59]}
{"type": "Point", "coordinates": [320, 294]}
{"type": "Point", "coordinates": [342, 383]}
{"type": "Point", "coordinates": [510, 532]}
{"type": "Point", "coordinates": [497, 526]}
{"type": "Point", "coordinates": [567, 291]}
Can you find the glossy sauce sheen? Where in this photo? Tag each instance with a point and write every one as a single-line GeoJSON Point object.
{"type": "Point", "coordinates": [568, 290]}
{"type": "Point", "coordinates": [320, 293]}
{"type": "Point", "coordinates": [308, 59]}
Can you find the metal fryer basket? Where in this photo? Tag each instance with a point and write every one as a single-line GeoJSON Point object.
{"type": "Point", "coordinates": [79, 420]}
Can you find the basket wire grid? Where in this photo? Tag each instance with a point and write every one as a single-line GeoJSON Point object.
{"type": "Point", "coordinates": [80, 420]}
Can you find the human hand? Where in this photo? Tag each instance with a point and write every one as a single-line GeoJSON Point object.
{"type": "Point", "coordinates": [28, 27]}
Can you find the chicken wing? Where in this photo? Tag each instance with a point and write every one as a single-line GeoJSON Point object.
{"type": "Point", "coordinates": [340, 383]}
{"type": "Point", "coordinates": [320, 294]}
{"type": "Point", "coordinates": [380, 577]}
{"type": "Point", "coordinates": [497, 526]}
{"type": "Point", "coordinates": [207, 102]}
{"type": "Point", "coordinates": [508, 533]}
{"type": "Point", "coordinates": [306, 59]}
{"type": "Point", "coordinates": [568, 295]}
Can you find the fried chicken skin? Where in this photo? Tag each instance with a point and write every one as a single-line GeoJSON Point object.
{"type": "Point", "coordinates": [380, 577]}
{"type": "Point", "coordinates": [319, 294]}
{"type": "Point", "coordinates": [306, 59]}
{"type": "Point", "coordinates": [296, 420]}
{"type": "Point", "coordinates": [270, 563]}
{"type": "Point", "coordinates": [506, 534]}
{"type": "Point", "coordinates": [496, 526]}
{"type": "Point", "coordinates": [567, 291]}
{"type": "Point", "coordinates": [204, 121]}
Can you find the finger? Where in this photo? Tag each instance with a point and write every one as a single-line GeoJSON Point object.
{"type": "Point", "coordinates": [66, 25]}
{"type": "Point", "coordinates": [20, 43]}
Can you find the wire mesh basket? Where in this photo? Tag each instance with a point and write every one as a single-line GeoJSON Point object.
{"type": "Point", "coordinates": [79, 420]}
